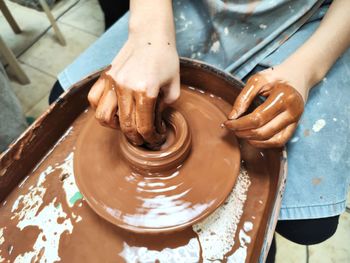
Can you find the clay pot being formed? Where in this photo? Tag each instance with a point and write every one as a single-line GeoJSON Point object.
{"type": "Point", "coordinates": [43, 214]}
{"type": "Point", "coordinates": [148, 191]}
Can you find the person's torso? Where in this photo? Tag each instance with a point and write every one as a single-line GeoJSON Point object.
{"type": "Point", "coordinates": [229, 33]}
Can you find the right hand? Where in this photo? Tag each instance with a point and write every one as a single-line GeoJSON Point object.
{"type": "Point", "coordinates": [273, 122]}
{"type": "Point", "coordinates": [127, 92]}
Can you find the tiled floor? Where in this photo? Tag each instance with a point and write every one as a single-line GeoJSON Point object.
{"type": "Point", "coordinates": [81, 22]}
{"type": "Point", "coordinates": [40, 54]}
{"type": "Point", "coordinates": [335, 250]}
{"type": "Point", "coordinates": [50, 57]}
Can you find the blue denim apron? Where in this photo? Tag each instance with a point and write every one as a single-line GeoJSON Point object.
{"type": "Point", "coordinates": [241, 38]}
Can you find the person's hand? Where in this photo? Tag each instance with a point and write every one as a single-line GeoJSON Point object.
{"type": "Point", "coordinates": [273, 122]}
{"type": "Point", "coordinates": [129, 89]}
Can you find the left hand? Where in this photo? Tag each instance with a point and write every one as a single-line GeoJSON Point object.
{"type": "Point", "coordinates": [133, 91]}
{"type": "Point", "coordinates": [272, 123]}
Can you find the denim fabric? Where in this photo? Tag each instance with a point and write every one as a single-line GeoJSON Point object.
{"type": "Point", "coordinates": [319, 151]}
{"type": "Point", "coordinates": [233, 35]}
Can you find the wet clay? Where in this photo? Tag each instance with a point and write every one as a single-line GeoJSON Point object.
{"type": "Point", "coordinates": [274, 121]}
{"type": "Point", "coordinates": [160, 191]}
{"type": "Point", "coordinates": [45, 218]}
{"type": "Point", "coordinates": [137, 114]}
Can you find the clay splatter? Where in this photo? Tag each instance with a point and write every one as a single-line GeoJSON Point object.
{"type": "Point", "coordinates": [183, 23]}
{"type": "Point", "coordinates": [26, 210]}
{"type": "Point", "coordinates": [52, 221]}
{"type": "Point", "coordinates": [69, 185]}
{"type": "Point", "coordinates": [182, 16]}
{"type": "Point", "coordinates": [335, 155]}
{"type": "Point", "coordinates": [31, 201]}
{"type": "Point", "coordinates": [307, 133]}
{"type": "Point", "coordinates": [226, 31]}
{"type": "Point", "coordinates": [294, 139]}
{"type": "Point", "coordinates": [319, 125]}
{"type": "Point", "coordinates": [215, 47]}
{"type": "Point", "coordinates": [316, 181]}
{"type": "Point", "coordinates": [46, 249]}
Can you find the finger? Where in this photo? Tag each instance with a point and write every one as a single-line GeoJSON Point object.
{"type": "Point", "coordinates": [126, 112]}
{"type": "Point", "coordinates": [160, 105]}
{"type": "Point", "coordinates": [278, 140]}
{"type": "Point", "coordinates": [145, 120]}
{"type": "Point", "coordinates": [268, 130]}
{"type": "Point", "coordinates": [259, 117]}
{"type": "Point", "coordinates": [96, 92]}
{"type": "Point", "coordinates": [247, 95]}
{"type": "Point", "coordinates": [106, 109]}
{"type": "Point", "coordinates": [172, 92]}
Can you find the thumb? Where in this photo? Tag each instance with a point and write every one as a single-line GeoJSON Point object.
{"type": "Point", "coordinates": [160, 105]}
{"type": "Point", "coordinates": [172, 92]}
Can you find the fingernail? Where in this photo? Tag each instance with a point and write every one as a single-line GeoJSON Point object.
{"type": "Point", "coordinates": [233, 115]}
{"type": "Point", "coordinates": [225, 124]}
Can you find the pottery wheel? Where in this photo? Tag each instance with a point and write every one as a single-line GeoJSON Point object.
{"type": "Point", "coordinates": [160, 191]}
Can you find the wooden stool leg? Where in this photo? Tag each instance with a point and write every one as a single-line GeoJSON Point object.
{"type": "Point", "coordinates": [15, 66]}
{"type": "Point", "coordinates": [52, 20]}
{"type": "Point", "coordinates": [4, 9]}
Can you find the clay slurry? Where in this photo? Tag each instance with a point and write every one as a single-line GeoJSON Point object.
{"type": "Point", "coordinates": [166, 190]}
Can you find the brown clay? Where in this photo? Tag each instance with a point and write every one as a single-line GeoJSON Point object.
{"type": "Point", "coordinates": [93, 239]}
{"type": "Point", "coordinates": [106, 113]}
{"type": "Point", "coordinates": [159, 191]}
{"type": "Point", "coordinates": [138, 115]}
{"type": "Point", "coordinates": [274, 121]}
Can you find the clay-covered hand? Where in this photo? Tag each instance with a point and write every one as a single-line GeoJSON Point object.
{"type": "Point", "coordinates": [273, 122]}
{"type": "Point", "coordinates": [127, 92]}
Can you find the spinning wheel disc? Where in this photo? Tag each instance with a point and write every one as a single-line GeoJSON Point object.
{"type": "Point", "coordinates": [160, 191]}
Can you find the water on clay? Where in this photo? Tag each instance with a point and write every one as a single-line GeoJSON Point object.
{"type": "Point", "coordinates": [163, 199]}
{"type": "Point", "coordinates": [46, 219]}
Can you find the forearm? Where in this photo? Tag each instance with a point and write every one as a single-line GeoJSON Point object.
{"type": "Point", "coordinates": [152, 20]}
{"type": "Point", "coordinates": [316, 56]}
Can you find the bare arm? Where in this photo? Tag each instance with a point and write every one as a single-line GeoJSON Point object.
{"type": "Point", "coordinates": [287, 85]}
{"type": "Point", "coordinates": [147, 64]}
{"type": "Point", "coordinates": [152, 20]}
{"type": "Point", "coordinates": [317, 55]}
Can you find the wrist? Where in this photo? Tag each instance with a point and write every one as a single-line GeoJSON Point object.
{"type": "Point", "coordinates": [290, 74]}
{"type": "Point", "coordinates": [307, 67]}
{"type": "Point", "coordinates": [152, 20]}
{"type": "Point", "coordinates": [156, 36]}
{"type": "Point", "coordinates": [304, 75]}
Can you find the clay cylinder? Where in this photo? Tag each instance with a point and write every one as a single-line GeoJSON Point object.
{"type": "Point", "coordinates": [172, 153]}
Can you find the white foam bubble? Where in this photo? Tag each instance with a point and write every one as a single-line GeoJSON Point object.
{"type": "Point", "coordinates": [216, 233]}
